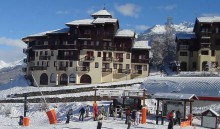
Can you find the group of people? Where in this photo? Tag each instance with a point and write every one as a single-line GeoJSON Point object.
{"type": "Point", "coordinates": [132, 117]}
{"type": "Point", "coordinates": [82, 111]}
{"type": "Point", "coordinates": [174, 117]}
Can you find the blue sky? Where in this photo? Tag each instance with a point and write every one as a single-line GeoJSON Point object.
{"type": "Point", "coordinates": [25, 17]}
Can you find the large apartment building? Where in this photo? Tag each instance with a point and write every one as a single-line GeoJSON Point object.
{"type": "Point", "coordinates": [88, 51]}
{"type": "Point", "coordinates": [200, 50]}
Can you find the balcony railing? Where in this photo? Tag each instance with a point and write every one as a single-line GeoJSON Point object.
{"type": "Point", "coordinates": [125, 71]}
{"type": "Point", "coordinates": [61, 68]}
{"type": "Point", "coordinates": [106, 69]}
{"type": "Point", "coordinates": [84, 36]}
{"type": "Point", "coordinates": [137, 71]}
{"type": "Point", "coordinates": [34, 68]}
{"type": "Point", "coordinates": [184, 47]}
{"type": "Point", "coordinates": [66, 58]}
{"type": "Point", "coordinates": [139, 60]}
{"type": "Point", "coordinates": [82, 68]}
{"type": "Point", "coordinates": [205, 34]}
{"type": "Point", "coordinates": [118, 59]}
{"type": "Point", "coordinates": [107, 59]}
{"type": "Point", "coordinates": [44, 57]}
{"type": "Point", "coordinates": [88, 58]}
{"type": "Point", "coordinates": [55, 47]}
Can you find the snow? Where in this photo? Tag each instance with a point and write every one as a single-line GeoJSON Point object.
{"type": "Point", "coordinates": [101, 13]}
{"type": "Point", "coordinates": [3, 64]}
{"type": "Point", "coordinates": [125, 33]}
{"type": "Point", "coordinates": [209, 19]}
{"type": "Point", "coordinates": [81, 22]}
{"type": "Point", "coordinates": [39, 119]}
{"type": "Point", "coordinates": [141, 45]}
{"type": "Point", "coordinates": [63, 30]}
{"type": "Point", "coordinates": [104, 20]}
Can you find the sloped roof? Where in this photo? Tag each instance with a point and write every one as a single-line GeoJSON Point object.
{"type": "Point", "coordinates": [209, 19]}
{"type": "Point", "coordinates": [141, 45]}
{"type": "Point", "coordinates": [185, 36]}
{"type": "Point", "coordinates": [81, 22]}
{"type": "Point", "coordinates": [125, 33]}
{"type": "Point", "coordinates": [177, 96]}
{"type": "Point", "coordinates": [58, 31]}
{"type": "Point", "coordinates": [102, 12]}
{"type": "Point", "coordinates": [200, 86]}
{"type": "Point", "coordinates": [210, 111]}
{"type": "Point", "coordinates": [105, 20]}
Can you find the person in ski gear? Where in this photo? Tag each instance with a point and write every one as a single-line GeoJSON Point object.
{"type": "Point", "coordinates": [68, 114]}
{"type": "Point", "coordinates": [87, 111]}
{"type": "Point", "coordinates": [82, 112]}
{"type": "Point", "coordinates": [100, 117]}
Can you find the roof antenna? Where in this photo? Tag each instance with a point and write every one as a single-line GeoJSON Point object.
{"type": "Point", "coordinates": [104, 7]}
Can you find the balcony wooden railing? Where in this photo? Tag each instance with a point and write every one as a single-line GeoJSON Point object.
{"type": "Point", "coordinates": [82, 68]}
{"type": "Point", "coordinates": [206, 34]}
{"type": "Point", "coordinates": [44, 57]}
{"type": "Point", "coordinates": [106, 69]}
{"type": "Point", "coordinates": [61, 68]}
{"type": "Point", "coordinates": [55, 47]}
{"type": "Point", "coordinates": [107, 59]}
{"type": "Point", "coordinates": [84, 36]}
{"type": "Point", "coordinates": [184, 47]}
{"type": "Point", "coordinates": [137, 71]}
{"type": "Point", "coordinates": [34, 68]}
{"type": "Point", "coordinates": [124, 71]}
{"type": "Point", "coordinates": [139, 60]}
{"type": "Point", "coordinates": [88, 58]}
{"type": "Point", "coordinates": [118, 59]}
{"type": "Point", "coordinates": [66, 58]}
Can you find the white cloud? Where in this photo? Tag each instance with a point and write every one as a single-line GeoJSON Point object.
{"type": "Point", "coordinates": [141, 27]}
{"type": "Point", "coordinates": [90, 11]}
{"type": "Point", "coordinates": [168, 7]}
{"type": "Point", "coordinates": [12, 42]}
{"type": "Point", "coordinates": [128, 9]}
{"type": "Point", "coordinates": [62, 12]}
{"type": "Point", "coordinates": [210, 14]}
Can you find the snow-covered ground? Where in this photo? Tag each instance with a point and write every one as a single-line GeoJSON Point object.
{"type": "Point", "coordinates": [39, 119]}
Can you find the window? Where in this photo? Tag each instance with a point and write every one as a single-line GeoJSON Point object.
{"type": "Point", "coordinates": [120, 66]}
{"type": "Point", "coordinates": [92, 43]}
{"type": "Point", "coordinates": [217, 30]}
{"type": "Point", "coordinates": [53, 78]}
{"type": "Point", "coordinates": [41, 53]}
{"type": "Point", "coordinates": [74, 42]}
{"type": "Point", "coordinates": [52, 53]}
{"type": "Point", "coordinates": [213, 52]}
{"type": "Point", "coordinates": [99, 54]}
{"type": "Point", "coordinates": [191, 54]}
{"type": "Point", "coordinates": [115, 66]}
{"type": "Point", "coordinates": [183, 53]}
{"type": "Point", "coordinates": [128, 56]}
{"type": "Point", "coordinates": [72, 78]}
{"type": "Point", "coordinates": [96, 64]}
{"type": "Point", "coordinates": [48, 63]}
{"type": "Point", "coordinates": [205, 52]}
{"type": "Point", "coordinates": [97, 43]}
{"type": "Point", "coordinates": [127, 66]}
{"type": "Point", "coordinates": [65, 42]}
{"type": "Point", "coordinates": [46, 53]}
{"type": "Point", "coordinates": [85, 43]}
{"type": "Point", "coordinates": [36, 54]}
{"type": "Point", "coordinates": [217, 42]}
{"type": "Point", "coordinates": [75, 31]}
{"type": "Point", "coordinates": [67, 64]}
{"type": "Point", "coordinates": [98, 32]}
{"type": "Point", "coordinates": [38, 63]}
{"type": "Point", "coordinates": [55, 64]}
{"type": "Point", "coordinates": [45, 42]}
{"type": "Point", "coordinates": [145, 68]}
{"type": "Point", "coordinates": [71, 64]}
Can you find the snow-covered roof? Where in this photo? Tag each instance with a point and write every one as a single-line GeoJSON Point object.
{"type": "Point", "coordinates": [58, 31]}
{"type": "Point", "coordinates": [185, 36]}
{"type": "Point", "coordinates": [209, 19]}
{"type": "Point", "coordinates": [125, 33]}
{"type": "Point", "coordinates": [141, 45]}
{"type": "Point", "coordinates": [200, 86]}
{"type": "Point", "coordinates": [102, 12]}
{"type": "Point", "coordinates": [210, 110]}
{"type": "Point", "coordinates": [174, 96]}
{"type": "Point", "coordinates": [105, 20]}
{"type": "Point", "coordinates": [81, 22]}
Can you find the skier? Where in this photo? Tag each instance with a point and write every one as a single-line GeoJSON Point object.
{"type": "Point", "coordinates": [127, 113]}
{"type": "Point", "coordinates": [68, 114]}
{"type": "Point", "coordinates": [170, 118]}
{"type": "Point", "coordinates": [129, 121]}
{"type": "Point", "coordinates": [87, 111]}
{"type": "Point", "coordinates": [100, 118]}
{"type": "Point", "coordinates": [21, 120]}
{"type": "Point", "coordinates": [137, 117]}
{"type": "Point", "coordinates": [82, 112]}
{"type": "Point", "coordinates": [102, 109]}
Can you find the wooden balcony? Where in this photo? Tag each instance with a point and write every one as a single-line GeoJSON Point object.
{"type": "Point", "coordinates": [44, 57]}
{"type": "Point", "coordinates": [88, 58]}
{"type": "Point", "coordinates": [82, 68]}
{"type": "Point", "coordinates": [35, 68]}
{"type": "Point", "coordinates": [55, 47]}
{"type": "Point", "coordinates": [66, 58]}
{"type": "Point", "coordinates": [107, 70]}
{"type": "Point", "coordinates": [139, 60]}
{"type": "Point", "coordinates": [107, 59]}
{"type": "Point", "coordinates": [118, 59]}
{"type": "Point", "coordinates": [61, 68]}
{"type": "Point", "coordinates": [84, 36]}
{"type": "Point", "coordinates": [124, 71]}
{"type": "Point", "coordinates": [137, 71]}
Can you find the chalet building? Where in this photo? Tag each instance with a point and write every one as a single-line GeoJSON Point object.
{"type": "Point", "coordinates": [200, 50]}
{"type": "Point", "coordinates": [88, 51]}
